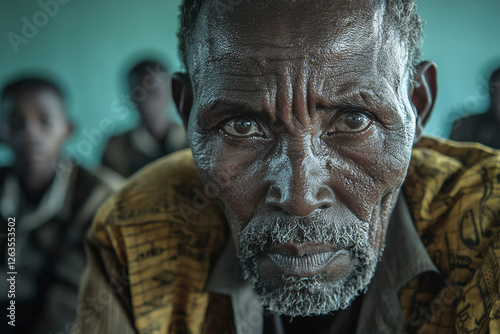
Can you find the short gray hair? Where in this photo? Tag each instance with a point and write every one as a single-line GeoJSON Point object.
{"type": "Point", "coordinates": [402, 14]}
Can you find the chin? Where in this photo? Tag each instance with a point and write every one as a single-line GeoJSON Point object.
{"type": "Point", "coordinates": [320, 294]}
{"type": "Point", "coordinates": [307, 266]}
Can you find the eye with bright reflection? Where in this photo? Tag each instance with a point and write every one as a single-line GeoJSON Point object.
{"type": "Point", "coordinates": [241, 127]}
{"type": "Point", "coordinates": [351, 121]}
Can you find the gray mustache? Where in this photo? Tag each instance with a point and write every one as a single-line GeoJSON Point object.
{"type": "Point", "coordinates": [262, 233]}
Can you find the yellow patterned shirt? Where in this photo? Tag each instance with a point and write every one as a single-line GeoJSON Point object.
{"type": "Point", "coordinates": [153, 245]}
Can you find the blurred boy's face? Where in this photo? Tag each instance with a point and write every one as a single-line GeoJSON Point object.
{"type": "Point", "coordinates": [152, 96]}
{"type": "Point", "coordinates": [36, 126]}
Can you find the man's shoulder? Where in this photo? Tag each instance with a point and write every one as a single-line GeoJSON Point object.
{"type": "Point", "coordinates": [168, 194]}
{"type": "Point", "coordinates": [168, 180]}
{"type": "Point", "coordinates": [453, 191]}
{"type": "Point", "coordinates": [451, 158]}
{"type": "Point", "coordinates": [444, 173]}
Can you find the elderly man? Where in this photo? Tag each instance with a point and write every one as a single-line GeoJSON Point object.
{"type": "Point", "coordinates": [302, 117]}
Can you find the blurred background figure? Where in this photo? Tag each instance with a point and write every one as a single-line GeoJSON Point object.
{"type": "Point", "coordinates": [156, 135]}
{"type": "Point", "coordinates": [53, 202]}
{"type": "Point", "coordinates": [483, 128]}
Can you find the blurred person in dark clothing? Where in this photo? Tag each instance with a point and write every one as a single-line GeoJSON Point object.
{"type": "Point", "coordinates": [51, 202]}
{"type": "Point", "coordinates": [156, 135]}
{"type": "Point", "coordinates": [482, 128]}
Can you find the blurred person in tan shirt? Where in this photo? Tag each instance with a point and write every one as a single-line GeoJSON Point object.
{"type": "Point", "coordinates": [156, 135]}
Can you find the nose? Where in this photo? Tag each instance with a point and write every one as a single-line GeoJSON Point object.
{"type": "Point", "coordinates": [298, 185]}
{"type": "Point", "coordinates": [29, 132]}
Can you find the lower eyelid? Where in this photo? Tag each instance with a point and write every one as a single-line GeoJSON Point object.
{"type": "Point", "coordinates": [365, 128]}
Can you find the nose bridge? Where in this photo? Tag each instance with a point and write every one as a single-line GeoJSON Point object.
{"type": "Point", "coordinates": [292, 91]}
{"type": "Point", "coordinates": [304, 165]}
{"type": "Point", "coordinates": [31, 130]}
{"type": "Point", "coordinates": [298, 186]}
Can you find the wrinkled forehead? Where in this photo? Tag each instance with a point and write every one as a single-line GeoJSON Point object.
{"type": "Point", "coordinates": [326, 33]}
{"type": "Point", "coordinates": [287, 24]}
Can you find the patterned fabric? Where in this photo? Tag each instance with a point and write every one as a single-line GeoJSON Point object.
{"type": "Point", "coordinates": [453, 191]}
{"type": "Point", "coordinates": [166, 231]}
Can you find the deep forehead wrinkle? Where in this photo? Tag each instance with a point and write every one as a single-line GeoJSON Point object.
{"type": "Point", "coordinates": [290, 74]}
{"type": "Point", "coordinates": [251, 53]}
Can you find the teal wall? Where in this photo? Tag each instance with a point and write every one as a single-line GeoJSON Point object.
{"type": "Point", "coordinates": [463, 38]}
{"type": "Point", "coordinates": [88, 44]}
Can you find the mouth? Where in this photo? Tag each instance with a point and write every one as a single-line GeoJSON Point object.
{"type": "Point", "coordinates": [302, 260]}
{"type": "Point", "coordinates": [32, 151]}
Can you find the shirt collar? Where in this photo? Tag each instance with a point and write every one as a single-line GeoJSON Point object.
{"type": "Point", "coordinates": [405, 258]}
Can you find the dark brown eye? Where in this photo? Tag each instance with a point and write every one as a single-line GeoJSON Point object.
{"type": "Point", "coordinates": [241, 127]}
{"type": "Point", "coordinates": [352, 121]}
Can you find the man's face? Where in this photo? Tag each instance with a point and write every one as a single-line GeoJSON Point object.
{"type": "Point", "coordinates": [302, 128]}
{"type": "Point", "coordinates": [36, 127]}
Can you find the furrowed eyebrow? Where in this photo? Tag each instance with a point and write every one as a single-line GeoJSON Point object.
{"type": "Point", "coordinates": [220, 108]}
{"type": "Point", "coordinates": [365, 99]}
{"type": "Point", "coordinates": [356, 99]}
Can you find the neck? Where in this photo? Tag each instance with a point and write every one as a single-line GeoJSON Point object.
{"type": "Point", "coordinates": [35, 180]}
{"type": "Point", "coordinates": [158, 131]}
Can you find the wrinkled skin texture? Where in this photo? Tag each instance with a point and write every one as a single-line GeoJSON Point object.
{"type": "Point", "coordinates": [323, 97]}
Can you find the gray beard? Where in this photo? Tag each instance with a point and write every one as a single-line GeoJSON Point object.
{"type": "Point", "coordinates": [313, 295]}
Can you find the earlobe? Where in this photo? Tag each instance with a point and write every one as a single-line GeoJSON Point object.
{"type": "Point", "coordinates": [182, 93]}
{"type": "Point", "coordinates": [423, 94]}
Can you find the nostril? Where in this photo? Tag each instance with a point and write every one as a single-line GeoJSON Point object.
{"type": "Point", "coordinates": [323, 207]}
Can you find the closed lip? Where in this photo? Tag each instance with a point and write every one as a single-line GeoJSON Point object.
{"type": "Point", "coordinates": [299, 250]}
{"type": "Point", "coordinates": [32, 150]}
{"type": "Point", "coordinates": [303, 260]}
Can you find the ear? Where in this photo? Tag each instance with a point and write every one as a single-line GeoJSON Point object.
{"type": "Point", "coordinates": [423, 94]}
{"type": "Point", "coordinates": [182, 92]}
